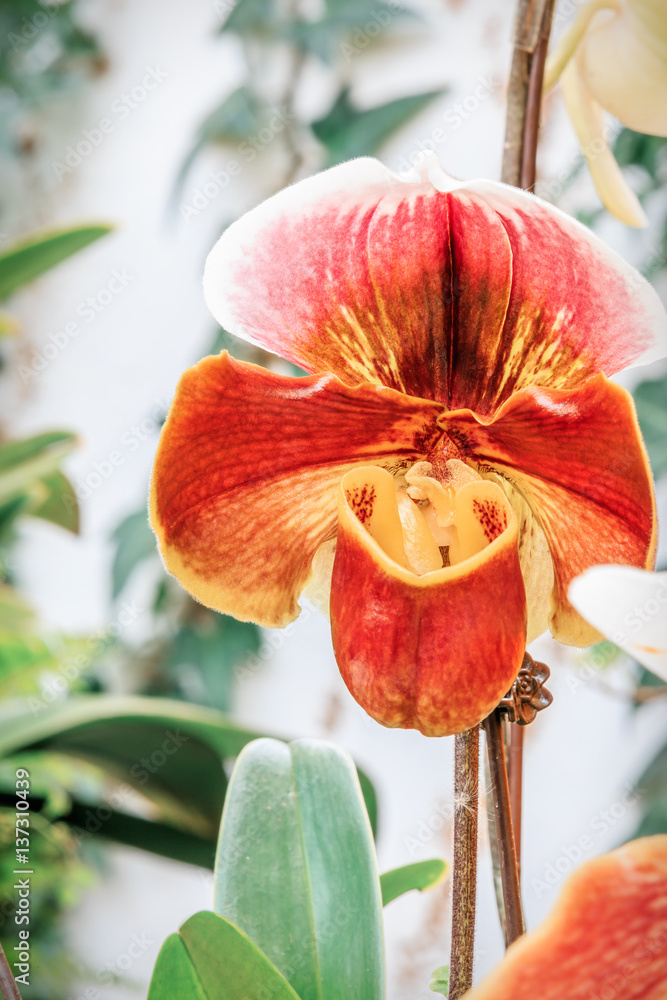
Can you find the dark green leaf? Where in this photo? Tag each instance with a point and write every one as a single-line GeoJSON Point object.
{"type": "Point", "coordinates": [421, 875]}
{"type": "Point", "coordinates": [211, 959]}
{"type": "Point", "coordinates": [41, 251]}
{"type": "Point", "coordinates": [170, 751]}
{"type": "Point", "coordinates": [651, 402]}
{"type": "Point", "coordinates": [347, 132]}
{"type": "Point", "coordinates": [296, 868]}
{"type": "Point", "coordinates": [134, 542]}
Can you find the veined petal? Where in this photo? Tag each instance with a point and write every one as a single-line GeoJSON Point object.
{"type": "Point", "coordinates": [578, 459]}
{"type": "Point", "coordinates": [462, 293]}
{"type": "Point", "coordinates": [431, 651]}
{"type": "Point", "coordinates": [246, 476]}
{"type": "Point", "coordinates": [587, 120]}
{"type": "Point", "coordinates": [628, 606]}
{"type": "Point", "coordinates": [623, 62]}
{"type": "Point", "coordinates": [606, 936]}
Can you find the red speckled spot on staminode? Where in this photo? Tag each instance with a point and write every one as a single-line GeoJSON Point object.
{"type": "Point", "coordinates": [492, 519]}
{"type": "Point", "coordinates": [606, 938]}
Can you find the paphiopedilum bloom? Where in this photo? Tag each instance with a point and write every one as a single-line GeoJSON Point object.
{"type": "Point", "coordinates": [628, 606]}
{"type": "Point", "coordinates": [605, 939]}
{"type": "Point", "coordinates": [459, 454]}
{"type": "Point", "coordinates": [614, 58]}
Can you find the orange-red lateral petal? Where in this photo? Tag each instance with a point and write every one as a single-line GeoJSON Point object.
{"type": "Point", "coordinates": [246, 476]}
{"type": "Point", "coordinates": [579, 460]}
{"type": "Point", "coordinates": [606, 938]}
{"type": "Point", "coordinates": [434, 652]}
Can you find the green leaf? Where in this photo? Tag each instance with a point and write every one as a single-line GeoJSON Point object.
{"type": "Point", "coordinates": [204, 653]}
{"type": "Point", "coordinates": [24, 463]}
{"type": "Point", "coordinates": [212, 959]}
{"type": "Point", "coordinates": [347, 132]}
{"type": "Point", "coordinates": [134, 542]}
{"type": "Point", "coordinates": [170, 751]}
{"type": "Point", "coordinates": [651, 402]}
{"type": "Point", "coordinates": [440, 982]}
{"type": "Point", "coordinates": [60, 506]}
{"type": "Point", "coordinates": [296, 868]}
{"type": "Point", "coordinates": [41, 251]}
{"type": "Point", "coordinates": [421, 875]}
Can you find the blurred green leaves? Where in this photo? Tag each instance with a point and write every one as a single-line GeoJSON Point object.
{"type": "Point", "coordinates": [40, 251]}
{"type": "Point", "coordinates": [651, 402]}
{"type": "Point", "coordinates": [346, 132]}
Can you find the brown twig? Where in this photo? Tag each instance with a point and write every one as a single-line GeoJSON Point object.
{"type": "Point", "coordinates": [464, 884]}
{"type": "Point", "coordinates": [524, 94]}
{"type": "Point", "coordinates": [10, 990]}
{"type": "Point", "coordinates": [516, 787]}
{"type": "Point", "coordinates": [509, 874]}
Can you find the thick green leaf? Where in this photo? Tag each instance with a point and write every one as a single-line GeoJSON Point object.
{"type": "Point", "coordinates": [24, 463]}
{"type": "Point", "coordinates": [347, 132]}
{"type": "Point", "coordinates": [421, 875]}
{"type": "Point", "coordinates": [211, 959]}
{"type": "Point", "coordinates": [41, 251]}
{"type": "Point", "coordinates": [296, 868]}
{"type": "Point", "coordinates": [134, 542]}
{"type": "Point", "coordinates": [651, 402]}
{"type": "Point", "coordinates": [175, 975]}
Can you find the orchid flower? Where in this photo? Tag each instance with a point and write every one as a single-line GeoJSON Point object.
{"type": "Point", "coordinates": [606, 938]}
{"type": "Point", "coordinates": [628, 606]}
{"type": "Point", "coordinates": [456, 459]}
{"type": "Point", "coordinates": [613, 58]}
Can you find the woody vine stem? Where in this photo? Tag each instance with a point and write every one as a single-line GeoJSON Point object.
{"type": "Point", "coordinates": [532, 29]}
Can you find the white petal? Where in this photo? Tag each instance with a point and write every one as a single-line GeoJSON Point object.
{"type": "Point", "coordinates": [623, 61]}
{"type": "Point", "coordinates": [629, 607]}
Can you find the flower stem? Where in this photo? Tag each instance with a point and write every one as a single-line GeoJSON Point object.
{"type": "Point", "coordinates": [464, 887]}
{"type": "Point", "coordinates": [8, 987]}
{"type": "Point", "coordinates": [533, 25]}
{"type": "Point", "coordinates": [509, 873]}
{"type": "Point", "coordinates": [516, 786]}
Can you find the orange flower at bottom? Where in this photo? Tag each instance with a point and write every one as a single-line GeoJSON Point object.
{"type": "Point", "coordinates": [606, 938]}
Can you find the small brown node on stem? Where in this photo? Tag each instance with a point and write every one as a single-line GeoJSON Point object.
{"type": "Point", "coordinates": [527, 696]}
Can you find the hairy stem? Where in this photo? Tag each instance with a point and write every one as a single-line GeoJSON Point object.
{"type": "Point", "coordinates": [464, 887]}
